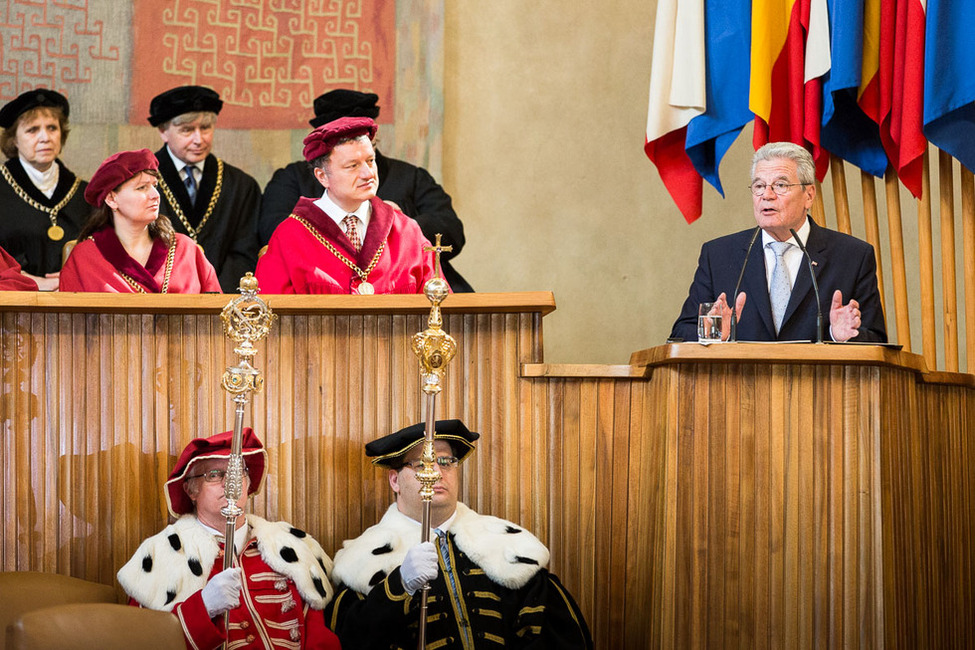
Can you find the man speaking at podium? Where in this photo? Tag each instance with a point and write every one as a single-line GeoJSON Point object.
{"type": "Point", "coordinates": [776, 299]}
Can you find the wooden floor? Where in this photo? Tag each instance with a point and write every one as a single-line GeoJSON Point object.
{"type": "Point", "coordinates": [729, 496]}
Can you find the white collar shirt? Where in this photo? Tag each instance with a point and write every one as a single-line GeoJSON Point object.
{"type": "Point", "coordinates": [337, 214]}
{"type": "Point", "coordinates": [792, 255]}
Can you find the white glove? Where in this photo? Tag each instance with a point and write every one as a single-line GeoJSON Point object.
{"type": "Point", "coordinates": [419, 567]}
{"type": "Point", "coordinates": [222, 593]}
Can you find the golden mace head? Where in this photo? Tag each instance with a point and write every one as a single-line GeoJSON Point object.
{"type": "Point", "coordinates": [246, 320]}
{"type": "Point", "coordinates": [433, 346]}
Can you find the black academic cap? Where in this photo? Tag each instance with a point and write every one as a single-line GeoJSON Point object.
{"type": "Point", "coordinates": [183, 99]}
{"type": "Point", "coordinates": [344, 103]}
{"type": "Point", "coordinates": [388, 451]}
{"type": "Point", "coordinates": [32, 99]}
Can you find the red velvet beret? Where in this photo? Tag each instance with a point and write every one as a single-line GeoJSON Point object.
{"type": "Point", "coordinates": [217, 446]}
{"type": "Point", "coordinates": [117, 169]}
{"type": "Point", "coordinates": [323, 139]}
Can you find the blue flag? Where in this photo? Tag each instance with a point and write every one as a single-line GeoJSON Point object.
{"type": "Point", "coordinates": [846, 130]}
{"type": "Point", "coordinates": [728, 45]}
{"type": "Point", "coordinates": [949, 78]}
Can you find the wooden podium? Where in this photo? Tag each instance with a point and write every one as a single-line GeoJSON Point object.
{"type": "Point", "coordinates": [737, 495]}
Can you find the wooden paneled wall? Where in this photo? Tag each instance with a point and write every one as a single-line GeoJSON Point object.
{"type": "Point", "coordinates": [722, 496]}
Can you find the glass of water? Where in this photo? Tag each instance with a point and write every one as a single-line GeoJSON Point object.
{"type": "Point", "coordinates": [709, 323]}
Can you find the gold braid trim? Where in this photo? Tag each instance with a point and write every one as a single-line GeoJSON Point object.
{"type": "Point", "coordinates": [174, 204]}
{"type": "Point", "coordinates": [363, 275]}
{"type": "Point", "coordinates": [170, 256]}
{"type": "Point", "coordinates": [52, 213]}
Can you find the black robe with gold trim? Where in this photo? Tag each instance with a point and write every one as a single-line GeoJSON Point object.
{"type": "Point", "coordinates": [503, 594]}
{"type": "Point", "coordinates": [23, 228]}
{"type": "Point", "coordinates": [229, 236]}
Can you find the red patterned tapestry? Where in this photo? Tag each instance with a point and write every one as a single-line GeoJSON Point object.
{"type": "Point", "coordinates": [268, 59]}
{"type": "Point", "coordinates": [50, 45]}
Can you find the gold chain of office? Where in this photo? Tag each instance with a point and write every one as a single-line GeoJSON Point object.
{"type": "Point", "coordinates": [168, 193]}
{"type": "Point", "coordinates": [170, 256]}
{"type": "Point", "coordinates": [55, 232]}
{"type": "Point", "coordinates": [363, 275]}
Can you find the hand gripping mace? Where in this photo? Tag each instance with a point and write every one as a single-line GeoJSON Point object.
{"type": "Point", "coordinates": [434, 348]}
{"type": "Point", "coordinates": [246, 320]}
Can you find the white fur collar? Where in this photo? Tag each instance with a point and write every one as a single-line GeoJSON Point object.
{"type": "Point", "coordinates": [172, 565]}
{"type": "Point", "coordinates": [508, 554]}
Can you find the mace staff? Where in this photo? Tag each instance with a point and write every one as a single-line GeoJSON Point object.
{"type": "Point", "coordinates": [434, 348]}
{"type": "Point", "coordinates": [246, 320]}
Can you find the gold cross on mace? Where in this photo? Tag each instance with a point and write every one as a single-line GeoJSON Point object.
{"type": "Point", "coordinates": [436, 249]}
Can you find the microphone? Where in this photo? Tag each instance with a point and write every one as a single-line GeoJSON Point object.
{"type": "Point", "coordinates": [733, 336]}
{"type": "Point", "coordinates": [812, 274]}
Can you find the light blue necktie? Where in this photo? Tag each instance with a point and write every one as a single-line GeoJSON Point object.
{"type": "Point", "coordinates": [781, 288]}
{"type": "Point", "coordinates": [190, 183]}
{"type": "Point", "coordinates": [445, 553]}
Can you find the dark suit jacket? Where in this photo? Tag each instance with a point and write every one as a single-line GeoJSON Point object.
{"type": "Point", "coordinates": [840, 262]}
{"type": "Point", "coordinates": [229, 237]}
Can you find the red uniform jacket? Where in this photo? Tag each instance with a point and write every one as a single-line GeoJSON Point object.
{"type": "Point", "coordinates": [297, 260]}
{"type": "Point", "coordinates": [285, 584]}
{"type": "Point", "coordinates": [100, 263]}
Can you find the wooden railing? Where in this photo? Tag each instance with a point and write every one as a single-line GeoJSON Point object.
{"type": "Point", "coordinates": [732, 495]}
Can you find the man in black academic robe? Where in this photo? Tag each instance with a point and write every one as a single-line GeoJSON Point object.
{"type": "Point", "coordinates": [219, 206]}
{"type": "Point", "coordinates": [489, 581]}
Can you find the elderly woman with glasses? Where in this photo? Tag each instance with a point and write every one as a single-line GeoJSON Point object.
{"type": "Point", "coordinates": [279, 579]}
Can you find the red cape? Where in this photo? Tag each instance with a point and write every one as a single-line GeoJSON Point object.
{"type": "Point", "coordinates": [296, 260]}
{"type": "Point", "coordinates": [97, 264]}
{"type": "Point", "coordinates": [11, 279]}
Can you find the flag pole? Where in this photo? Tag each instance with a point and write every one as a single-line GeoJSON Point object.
{"type": "Point", "coordinates": [434, 348]}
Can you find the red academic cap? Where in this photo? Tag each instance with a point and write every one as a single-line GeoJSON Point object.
{"type": "Point", "coordinates": [117, 169]}
{"type": "Point", "coordinates": [217, 446]}
{"type": "Point", "coordinates": [323, 139]}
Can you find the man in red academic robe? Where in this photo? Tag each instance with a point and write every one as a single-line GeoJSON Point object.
{"type": "Point", "coordinates": [279, 580]}
{"type": "Point", "coordinates": [11, 279]}
{"type": "Point", "coordinates": [348, 241]}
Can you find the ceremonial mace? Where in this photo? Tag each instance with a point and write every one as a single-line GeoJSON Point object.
{"type": "Point", "coordinates": [435, 348]}
{"type": "Point", "coordinates": [246, 320]}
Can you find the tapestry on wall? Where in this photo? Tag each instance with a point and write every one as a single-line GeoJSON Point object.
{"type": "Point", "coordinates": [268, 59]}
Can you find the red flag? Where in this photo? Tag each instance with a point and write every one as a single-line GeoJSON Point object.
{"type": "Point", "coordinates": [677, 94]}
{"type": "Point", "coordinates": [894, 97]}
{"type": "Point", "coordinates": [795, 103]}
{"type": "Point", "coordinates": [677, 172]}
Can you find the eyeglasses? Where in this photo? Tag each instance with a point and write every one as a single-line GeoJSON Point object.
{"type": "Point", "coordinates": [443, 461]}
{"type": "Point", "coordinates": [779, 187]}
{"type": "Point", "coordinates": [214, 475]}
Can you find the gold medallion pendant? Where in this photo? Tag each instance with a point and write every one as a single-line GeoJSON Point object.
{"type": "Point", "coordinates": [365, 289]}
{"type": "Point", "coordinates": [55, 233]}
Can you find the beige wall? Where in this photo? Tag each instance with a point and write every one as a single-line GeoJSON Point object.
{"type": "Point", "coordinates": [544, 112]}
{"type": "Point", "coordinates": [545, 108]}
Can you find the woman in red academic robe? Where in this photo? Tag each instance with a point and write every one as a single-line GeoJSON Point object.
{"type": "Point", "coordinates": [11, 277]}
{"type": "Point", "coordinates": [127, 246]}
